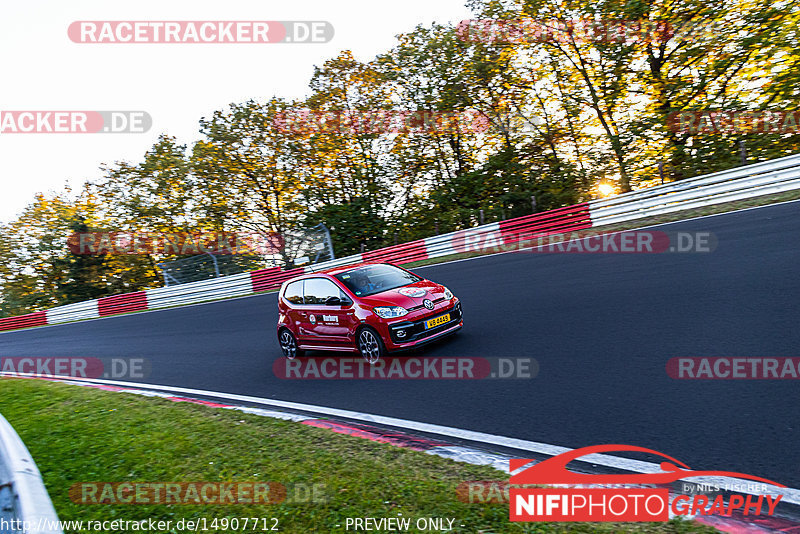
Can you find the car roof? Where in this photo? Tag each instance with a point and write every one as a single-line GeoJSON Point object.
{"type": "Point", "coordinates": [337, 270]}
{"type": "Point", "coordinates": [333, 271]}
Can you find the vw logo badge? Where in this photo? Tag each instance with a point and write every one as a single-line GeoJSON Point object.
{"type": "Point", "coordinates": [428, 304]}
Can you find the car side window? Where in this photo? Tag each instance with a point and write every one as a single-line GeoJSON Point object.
{"type": "Point", "coordinates": [318, 290]}
{"type": "Point", "coordinates": [294, 292]}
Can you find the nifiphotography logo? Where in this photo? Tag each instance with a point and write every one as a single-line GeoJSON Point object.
{"type": "Point", "coordinates": [621, 504]}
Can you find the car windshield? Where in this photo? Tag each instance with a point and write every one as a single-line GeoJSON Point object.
{"type": "Point", "coordinates": [373, 279]}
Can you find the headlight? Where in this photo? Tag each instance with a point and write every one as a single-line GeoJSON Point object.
{"type": "Point", "coordinates": [448, 294]}
{"type": "Point", "coordinates": [390, 312]}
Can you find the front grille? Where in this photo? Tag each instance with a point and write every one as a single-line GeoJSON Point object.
{"type": "Point", "coordinates": [420, 306]}
{"type": "Point", "coordinates": [416, 330]}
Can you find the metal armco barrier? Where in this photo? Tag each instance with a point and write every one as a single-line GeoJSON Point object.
{"type": "Point", "coordinates": [736, 184]}
{"type": "Point", "coordinates": [775, 176]}
{"type": "Point", "coordinates": [125, 303]}
{"type": "Point", "coordinates": [23, 498]}
{"type": "Point", "coordinates": [23, 321]}
{"type": "Point", "coordinates": [266, 279]}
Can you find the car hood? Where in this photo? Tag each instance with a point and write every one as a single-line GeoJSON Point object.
{"type": "Point", "coordinates": [394, 297]}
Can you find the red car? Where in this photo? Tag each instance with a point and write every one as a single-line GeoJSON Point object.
{"type": "Point", "coordinates": [367, 308]}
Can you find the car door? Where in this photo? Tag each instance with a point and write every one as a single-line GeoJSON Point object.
{"type": "Point", "coordinates": [296, 313]}
{"type": "Point", "coordinates": [330, 323]}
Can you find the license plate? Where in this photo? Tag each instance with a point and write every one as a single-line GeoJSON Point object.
{"type": "Point", "coordinates": [432, 323]}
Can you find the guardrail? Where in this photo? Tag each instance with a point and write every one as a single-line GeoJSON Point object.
{"type": "Point", "coordinates": [765, 178]}
{"type": "Point", "coordinates": [742, 182]}
{"type": "Point", "coordinates": [25, 505]}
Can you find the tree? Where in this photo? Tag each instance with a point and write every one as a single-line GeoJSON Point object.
{"type": "Point", "coordinates": [246, 171]}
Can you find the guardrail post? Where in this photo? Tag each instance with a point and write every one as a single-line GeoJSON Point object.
{"type": "Point", "coordinates": [743, 151]}
{"type": "Point", "coordinates": [216, 265]}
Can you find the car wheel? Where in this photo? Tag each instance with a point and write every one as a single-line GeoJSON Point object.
{"type": "Point", "coordinates": [289, 345]}
{"type": "Point", "coordinates": [370, 345]}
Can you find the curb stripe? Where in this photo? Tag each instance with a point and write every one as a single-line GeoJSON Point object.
{"type": "Point", "coordinates": [377, 434]}
{"type": "Point", "coordinates": [791, 495]}
{"type": "Point", "coordinates": [736, 524]}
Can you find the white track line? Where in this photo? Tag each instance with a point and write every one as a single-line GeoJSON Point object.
{"type": "Point", "coordinates": [791, 495]}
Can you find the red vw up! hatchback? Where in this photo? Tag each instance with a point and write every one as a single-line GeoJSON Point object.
{"type": "Point", "coordinates": [367, 308]}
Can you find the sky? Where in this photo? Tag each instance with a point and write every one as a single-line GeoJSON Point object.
{"type": "Point", "coordinates": [176, 84]}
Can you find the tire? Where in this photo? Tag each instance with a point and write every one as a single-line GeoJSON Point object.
{"type": "Point", "coordinates": [288, 345]}
{"type": "Point", "coordinates": [370, 345]}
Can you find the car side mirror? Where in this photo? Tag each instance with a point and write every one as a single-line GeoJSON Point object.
{"type": "Point", "coordinates": [334, 301]}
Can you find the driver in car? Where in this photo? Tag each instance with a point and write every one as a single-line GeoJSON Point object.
{"type": "Point", "coordinates": [363, 282]}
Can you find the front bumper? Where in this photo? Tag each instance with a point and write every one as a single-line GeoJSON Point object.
{"type": "Point", "coordinates": [412, 333]}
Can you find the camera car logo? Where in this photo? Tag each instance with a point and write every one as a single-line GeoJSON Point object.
{"type": "Point", "coordinates": [620, 503]}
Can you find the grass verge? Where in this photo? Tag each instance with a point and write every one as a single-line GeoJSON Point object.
{"type": "Point", "coordinates": [78, 434]}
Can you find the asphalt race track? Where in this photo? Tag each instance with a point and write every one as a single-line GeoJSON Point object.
{"type": "Point", "coordinates": [602, 327]}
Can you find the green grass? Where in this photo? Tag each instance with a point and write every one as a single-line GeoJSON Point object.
{"type": "Point", "coordinates": [80, 434]}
